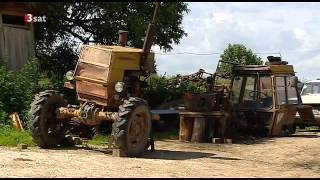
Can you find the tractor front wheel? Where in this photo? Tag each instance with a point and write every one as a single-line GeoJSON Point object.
{"type": "Point", "coordinates": [131, 131]}
{"type": "Point", "coordinates": [47, 131]}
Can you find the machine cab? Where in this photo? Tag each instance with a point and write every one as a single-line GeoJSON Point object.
{"type": "Point", "coordinates": [265, 97]}
{"type": "Point", "coordinates": [264, 91]}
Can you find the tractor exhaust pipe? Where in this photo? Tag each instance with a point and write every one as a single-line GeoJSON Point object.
{"type": "Point", "coordinates": [123, 36]}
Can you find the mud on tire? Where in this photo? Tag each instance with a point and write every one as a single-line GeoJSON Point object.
{"type": "Point", "coordinates": [131, 131]}
{"type": "Point", "coordinates": [46, 131]}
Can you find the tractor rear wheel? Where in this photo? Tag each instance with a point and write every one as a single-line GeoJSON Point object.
{"type": "Point", "coordinates": [131, 131]}
{"type": "Point", "coordinates": [47, 131]}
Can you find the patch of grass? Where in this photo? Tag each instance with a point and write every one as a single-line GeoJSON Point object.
{"type": "Point", "coordinates": [171, 135]}
{"type": "Point", "coordinates": [13, 137]}
{"type": "Point", "coordinates": [100, 140]}
{"type": "Point", "coordinates": [309, 128]}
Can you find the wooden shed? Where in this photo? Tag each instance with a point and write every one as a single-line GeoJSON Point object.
{"type": "Point", "coordinates": [16, 35]}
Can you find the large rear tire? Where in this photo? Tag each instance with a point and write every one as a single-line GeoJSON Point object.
{"type": "Point", "coordinates": [131, 131]}
{"type": "Point", "coordinates": [47, 131]}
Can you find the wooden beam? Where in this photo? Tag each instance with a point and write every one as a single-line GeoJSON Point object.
{"type": "Point", "coordinates": [199, 130]}
{"type": "Point", "coordinates": [201, 114]}
{"type": "Point", "coordinates": [185, 130]}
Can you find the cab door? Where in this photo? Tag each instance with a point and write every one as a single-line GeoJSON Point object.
{"type": "Point", "coordinates": [288, 103]}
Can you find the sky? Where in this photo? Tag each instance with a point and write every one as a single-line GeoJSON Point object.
{"type": "Point", "coordinates": [289, 28]}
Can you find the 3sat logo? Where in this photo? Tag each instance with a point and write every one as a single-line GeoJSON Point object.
{"type": "Point", "coordinates": [31, 18]}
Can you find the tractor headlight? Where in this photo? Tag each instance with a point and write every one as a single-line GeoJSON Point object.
{"type": "Point", "coordinates": [119, 87]}
{"type": "Point", "coordinates": [69, 75]}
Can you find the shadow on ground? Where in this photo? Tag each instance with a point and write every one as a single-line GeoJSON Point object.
{"type": "Point", "coordinates": [263, 140]}
{"type": "Point", "coordinates": [175, 155]}
{"type": "Point", "coordinates": [248, 140]}
{"type": "Point", "coordinates": [104, 150]}
{"type": "Point", "coordinates": [305, 135]}
{"type": "Point", "coordinates": [224, 158]}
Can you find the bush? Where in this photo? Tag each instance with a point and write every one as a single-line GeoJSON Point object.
{"type": "Point", "coordinates": [163, 89]}
{"type": "Point", "coordinates": [4, 117]}
{"type": "Point", "coordinates": [17, 89]}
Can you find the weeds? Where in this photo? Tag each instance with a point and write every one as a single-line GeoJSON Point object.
{"type": "Point", "coordinates": [13, 137]}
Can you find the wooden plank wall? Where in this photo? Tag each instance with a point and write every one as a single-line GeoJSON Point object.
{"type": "Point", "coordinates": [18, 43]}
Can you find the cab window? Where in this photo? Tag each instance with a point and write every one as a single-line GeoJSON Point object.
{"type": "Point", "coordinates": [311, 88]}
{"type": "Point", "coordinates": [250, 86]}
{"type": "Point", "coordinates": [292, 91]}
{"type": "Point", "coordinates": [286, 91]}
{"type": "Point", "coordinates": [236, 87]}
{"type": "Point", "coordinates": [281, 90]}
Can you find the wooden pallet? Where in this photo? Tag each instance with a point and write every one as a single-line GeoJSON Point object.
{"type": "Point", "coordinates": [201, 126]}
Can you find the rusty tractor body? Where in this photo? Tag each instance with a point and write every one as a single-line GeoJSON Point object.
{"type": "Point", "coordinates": [265, 98]}
{"type": "Point", "coordinates": [259, 100]}
{"type": "Point", "coordinates": [109, 82]}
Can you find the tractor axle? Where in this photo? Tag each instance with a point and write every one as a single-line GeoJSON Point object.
{"type": "Point", "coordinates": [94, 117]}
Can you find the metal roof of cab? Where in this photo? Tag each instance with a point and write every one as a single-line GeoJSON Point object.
{"type": "Point", "coordinates": [273, 69]}
{"type": "Point", "coordinates": [116, 48]}
{"type": "Point", "coordinates": [313, 81]}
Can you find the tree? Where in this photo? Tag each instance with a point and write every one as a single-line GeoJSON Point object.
{"type": "Point", "coordinates": [70, 24]}
{"type": "Point", "coordinates": [237, 53]}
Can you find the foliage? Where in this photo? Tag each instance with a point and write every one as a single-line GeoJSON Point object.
{"type": "Point", "coordinates": [17, 89]}
{"type": "Point", "coordinates": [70, 24]}
{"type": "Point", "coordinates": [237, 53]}
{"type": "Point", "coordinates": [161, 89]}
{"type": "Point", "coordinates": [4, 117]}
{"type": "Point", "coordinates": [13, 137]}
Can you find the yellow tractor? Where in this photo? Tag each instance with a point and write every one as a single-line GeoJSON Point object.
{"type": "Point", "coordinates": [109, 81]}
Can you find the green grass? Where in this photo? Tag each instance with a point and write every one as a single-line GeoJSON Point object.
{"type": "Point", "coordinates": [100, 140]}
{"type": "Point", "coordinates": [13, 137]}
{"type": "Point", "coordinates": [171, 135]}
{"type": "Point", "coordinates": [309, 128]}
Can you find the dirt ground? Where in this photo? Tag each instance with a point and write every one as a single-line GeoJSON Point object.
{"type": "Point", "coordinates": [296, 156]}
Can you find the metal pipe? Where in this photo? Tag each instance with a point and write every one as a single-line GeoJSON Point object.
{"type": "Point", "coordinates": [97, 116]}
{"type": "Point", "coordinates": [123, 36]}
{"type": "Point", "coordinates": [149, 38]}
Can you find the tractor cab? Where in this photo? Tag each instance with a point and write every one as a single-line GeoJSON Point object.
{"type": "Point", "coordinates": [265, 98]}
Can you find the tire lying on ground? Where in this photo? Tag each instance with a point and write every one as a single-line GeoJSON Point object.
{"type": "Point", "coordinates": [47, 131]}
{"type": "Point", "coordinates": [131, 131]}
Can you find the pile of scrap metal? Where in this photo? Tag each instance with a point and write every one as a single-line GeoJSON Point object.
{"type": "Point", "coordinates": [207, 97]}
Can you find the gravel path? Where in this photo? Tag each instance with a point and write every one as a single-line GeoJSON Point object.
{"type": "Point", "coordinates": [296, 156]}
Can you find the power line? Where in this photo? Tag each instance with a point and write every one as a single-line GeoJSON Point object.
{"type": "Point", "coordinates": [206, 54]}
{"type": "Point", "coordinates": [189, 53]}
